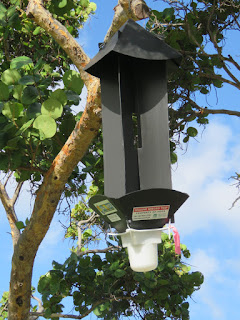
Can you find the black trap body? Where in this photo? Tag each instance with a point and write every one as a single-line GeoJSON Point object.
{"type": "Point", "coordinates": [132, 68]}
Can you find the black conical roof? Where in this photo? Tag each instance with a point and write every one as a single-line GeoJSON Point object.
{"type": "Point", "coordinates": [134, 41]}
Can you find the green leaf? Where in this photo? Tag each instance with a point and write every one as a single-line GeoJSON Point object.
{"type": "Point", "coordinates": [2, 8]}
{"type": "Point", "coordinates": [29, 95]}
{"type": "Point", "coordinates": [92, 6]}
{"type": "Point", "coordinates": [57, 265]}
{"type": "Point", "coordinates": [185, 140]}
{"type": "Point", "coordinates": [202, 121]}
{"type": "Point", "coordinates": [173, 157]}
{"type": "Point", "coordinates": [168, 14]}
{"type": "Point", "coordinates": [192, 132]}
{"type": "Point", "coordinates": [163, 282]}
{"type": "Point", "coordinates": [183, 246]}
{"type": "Point", "coordinates": [59, 95]}
{"type": "Point", "coordinates": [84, 262]}
{"type": "Point", "coordinates": [150, 283]}
{"type": "Point", "coordinates": [17, 92]}
{"type": "Point", "coordinates": [25, 127]}
{"type": "Point", "coordinates": [73, 97]}
{"type": "Point", "coordinates": [97, 311]}
{"type": "Point", "coordinates": [10, 77]}
{"type": "Point", "coordinates": [97, 261]}
{"type": "Point", "coordinates": [114, 265]}
{"type": "Point", "coordinates": [119, 273]}
{"type": "Point", "coordinates": [54, 286]}
{"type": "Point", "coordinates": [47, 313]}
{"type": "Point", "coordinates": [34, 110]}
{"type": "Point", "coordinates": [204, 90]}
{"type": "Point", "coordinates": [4, 163]}
{"type": "Point", "coordinates": [12, 110]}
{"type": "Point", "coordinates": [52, 108]}
{"type": "Point", "coordinates": [20, 225]}
{"type": "Point", "coordinates": [84, 3]}
{"type": "Point", "coordinates": [4, 92]}
{"type": "Point", "coordinates": [46, 125]}
{"type": "Point", "coordinates": [87, 233]}
{"type": "Point", "coordinates": [25, 80]}
{"type": "Point", "coordinates": [62, 3]}
{"type": "Point", "coordinates": [217, 83]}
{"type": "Point", "coordinates": [19, 62]}
{"type": "Point", "coordinates": [11, 11]}
{"type": "Point", "coordinates": [37, 31]}
{"type": "Point", "coordinates": [13, 143]}
{"type": "Point", "coordinates": [72, 81]}
{"type": "Point", "coordinates": [164, 236]}
{"type": "Point", "coordinates": [43, 283]}
{"type": "Point", "coordinates": [185, 305]}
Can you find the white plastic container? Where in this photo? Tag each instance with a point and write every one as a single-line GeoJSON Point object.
{"type": "Point", "coordinates": [142, 248]}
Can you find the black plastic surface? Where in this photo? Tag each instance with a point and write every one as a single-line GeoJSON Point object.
{"type": "Point", "coordinates": [143, 198]}
{"type": "Point", "coordinates": [134, 41]}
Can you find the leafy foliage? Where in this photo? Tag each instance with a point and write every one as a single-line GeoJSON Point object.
{"type": "Point", "coordinates": [3, 305]}
{"type": "Point", "coordinates": [35, 117]}
{"type": "Point", "coordinates": [197, 29]}
{"type": "Point", "coordinates": [107, 286]}
{"type": "Point", "coordinates": [31, 114]}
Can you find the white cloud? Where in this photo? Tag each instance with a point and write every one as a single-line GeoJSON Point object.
{"type": "Point", "coordinates": [207, 264]}
{"type": "Point", "coordinates": [203, 172]}
{"type": "Point", "coordinates": [211, 267]}
{"type": "Point", "coordinates": [215, 308]}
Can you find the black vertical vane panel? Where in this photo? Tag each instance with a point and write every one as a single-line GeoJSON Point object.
{"type": "Point", "coordinates": [132, 68]}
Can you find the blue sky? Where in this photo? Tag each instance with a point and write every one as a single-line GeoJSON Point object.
{"type": "Point", "coordinates": [206, 225]}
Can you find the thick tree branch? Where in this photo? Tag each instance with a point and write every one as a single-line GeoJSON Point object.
{"type": "Point", "coordinates": [127, 9]}
{"type": "Point", "coordinates": [61, 35]}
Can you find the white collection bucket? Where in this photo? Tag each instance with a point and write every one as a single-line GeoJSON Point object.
{"type": "Point", "coordinates": [142, 248]}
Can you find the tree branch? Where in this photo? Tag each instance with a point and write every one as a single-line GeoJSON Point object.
{"type": "Point", "coordinates": [60, 315]}
{"type": "Point", "coordinates": [79, 223]}
{"type": "Point", "coordinates": [16, 193]}
{"type": "Point", "coordinates": [40, 309]}
{"type": "Point", "coordinates": [124, 10]}
{"type": "Point", "coordinates": [10, 212]}
{"type": "Point", "coordinates": [82, 253]}
{"type": "Point", "coordinates": [61, 35]}
{"type": "Point", "coordinates": [208, 111]}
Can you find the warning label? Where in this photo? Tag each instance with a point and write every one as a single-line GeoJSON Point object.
{"type": "Point", "coordinates": [150, 213]}
{"type": "Point", "coordinates": [105, 207]}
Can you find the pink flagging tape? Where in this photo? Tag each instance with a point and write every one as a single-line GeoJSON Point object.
{"type": "Point", "coordinates": [176, 240]}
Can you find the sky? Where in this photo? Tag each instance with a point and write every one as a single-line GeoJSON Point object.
{"type": "Point", "coordinates": [205, 222]}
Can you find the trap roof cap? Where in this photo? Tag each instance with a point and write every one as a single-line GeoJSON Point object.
{"type": "Point", "coordinates": [134, 41]}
